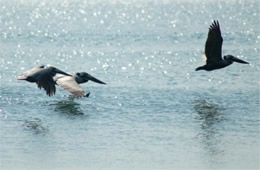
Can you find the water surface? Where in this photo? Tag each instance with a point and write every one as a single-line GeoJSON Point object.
{"type": "Point", "coordinates": [155, 112]}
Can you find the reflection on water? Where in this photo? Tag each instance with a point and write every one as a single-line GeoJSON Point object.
{"type": "Point", "coordinates": [210, 117]}
{"type": "Point", "coordinates": [35, 125]}
{"type": "Point", "coordinates": [208, 112]}
{"type": "Point", "coordinates": [68, 107]}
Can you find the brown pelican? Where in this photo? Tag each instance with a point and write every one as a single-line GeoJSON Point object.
{"type": "Point", "coordinates": [213, 51]}
{"type": "Point", "coordinates": [71, 83]}
{"type": "Point", "coordinates": [43, 77]}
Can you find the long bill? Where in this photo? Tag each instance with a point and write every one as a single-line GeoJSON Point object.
{"type": "Point", "coordinates": [95, 80]}
{"type": "Point", "coordinates": [235, 59]}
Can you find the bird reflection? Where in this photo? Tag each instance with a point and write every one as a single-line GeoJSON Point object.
{"type": "Point", "coordinates": [208, 113]}
{"type": "Point", "coordinates": [209, 116]}
{"type": "Point", "coordinates": [68, 107]}
{"type": "Point", "coordinates": [35, 125]}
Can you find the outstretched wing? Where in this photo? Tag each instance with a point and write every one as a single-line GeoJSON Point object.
{"type": "Point", "coordinates": [45, 80]}
{"type": "Point", "coordinates": [213, 47]}
{"type": "Point", "coordinates": [30, 72]}
{"type": "Point", "coordinates": [69, 84]}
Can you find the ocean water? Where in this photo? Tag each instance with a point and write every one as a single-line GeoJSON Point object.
{"type": "Point", "coordinates": [156, 111]}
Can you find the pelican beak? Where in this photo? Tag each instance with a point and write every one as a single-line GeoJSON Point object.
{"type": "Point", "coordinates": [62, 72]}
{"type": "Point", "coordinates": [89, 77]}
{"type": "Point", "coordinates": [235, 59]}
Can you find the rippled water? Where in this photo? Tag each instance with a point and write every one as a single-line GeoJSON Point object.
{"type": "Point", "coordinates": [155, 112]}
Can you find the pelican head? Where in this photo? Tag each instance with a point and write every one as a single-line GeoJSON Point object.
{"type": "Point", "coordinates": [232, 59]}
{"type": "Point", "coordinates": [83, 77]}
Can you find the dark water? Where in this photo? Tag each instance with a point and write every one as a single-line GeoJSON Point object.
{"type": "Point", "coordinates": [155, 112]}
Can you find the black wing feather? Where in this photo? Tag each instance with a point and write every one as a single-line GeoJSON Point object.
{"type": "Point", "coordinates": [45, 81]}
{"type": "Point", "coordinates": [213, 47]}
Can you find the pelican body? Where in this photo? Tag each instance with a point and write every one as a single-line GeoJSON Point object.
{"type": "Point", "coordinates": [213, 51]}
{"type": "Point", "coordinates": [43, 77]}
{"type": "Point", "coordinates": [71, 83]}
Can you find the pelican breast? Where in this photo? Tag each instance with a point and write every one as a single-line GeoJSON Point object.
{"type": "Point", "coordinates": [69, 83]}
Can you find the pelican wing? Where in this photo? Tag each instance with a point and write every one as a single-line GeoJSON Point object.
{"type": "Point", "coordinates": [69, 84]}
{"type": "Point", "coordinates": [45, 80]}
{"type": "Point", "coordinates": [214, 42]}
{"type": "Point", "coordinates": [30, 72]}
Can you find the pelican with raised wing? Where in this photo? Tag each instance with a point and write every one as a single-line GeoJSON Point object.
{"type": "Point", "coordinates": [43, 77]}
{"type": "Point", "coordinates": [213, 51]}
{"type": "Point", "coordinates": [71, 83]}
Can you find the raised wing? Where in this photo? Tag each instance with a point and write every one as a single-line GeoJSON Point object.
{"type": "Point", "coordinates": [69, 84]}
{"type": "Point", "coordinates": [213, 47]}
{"type": "Point", "coordinates": [45, 80]}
